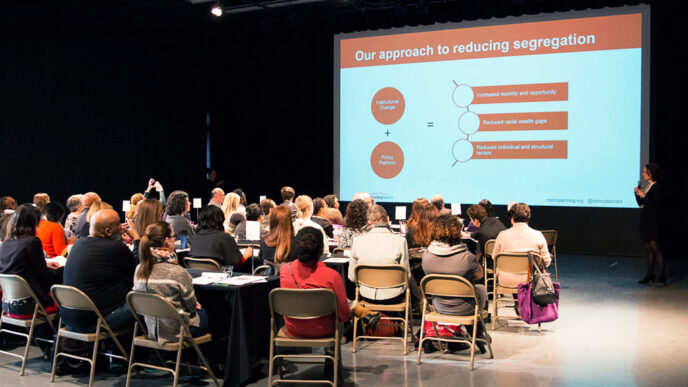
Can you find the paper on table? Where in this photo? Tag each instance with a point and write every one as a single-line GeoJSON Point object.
{"type": "Point", "coordinates": [400, 213]}
{"type": "Point", "coordinates": [203, 280]}
{"type": "Point", "coordinates": [252, 230]}
{"type": "Point", "coordinates": [456, 208]}
{"type": "Point", "coordinates": [242, 280]}
{"type": "Point", "coordinates": [509, 205]}
{"type": "Point", "coordinates": [59, 259]}
{"type": "Point", "coordinates": [336, 260]}
{"type": "Point", "coordinates": [197, 203]}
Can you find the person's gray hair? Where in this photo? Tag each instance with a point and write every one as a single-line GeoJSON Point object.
{"type": "Point", "coordinates": [74, 202]}
{"type": "Point", "coordinates": [216, 190]}
{"type": "Point", "coordinates": [437, 201]}
{"type": "Point", "coordinates": [365, 196]}
{"type": "Point", "coordinates": [376, 214]}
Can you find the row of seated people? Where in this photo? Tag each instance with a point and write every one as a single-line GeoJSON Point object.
{"type": "Point", "coordinates": [105, 269]}
{"type": "Point", "coordinates": [374, 243]}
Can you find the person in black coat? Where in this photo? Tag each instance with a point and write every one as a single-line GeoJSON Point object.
{"type": "Point", "coordinates": [22, 254]}
{"type": "Point", "coordinates": [651, 203]}
{"type": "Point", "coordinates": [488, 227]}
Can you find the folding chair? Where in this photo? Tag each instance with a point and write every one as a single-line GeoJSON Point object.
{"type": "Point", "coordinates": [551, 237]}
{"type": "Point", "coordinates": [205, 264]}
{"type": "Point", "coordinates": [303, 304]}
{"type": "Point", "coordinates": [514, 263]}
{"type": "Point", "coordinates": [340, 250]}
{"type": "Point", "coordinates": [69, 297]}
{"type": "Point", "coordinates": [384, 277]}
{"type": "Point", "coordinates": [15, 287]}
{"type": "Point", "coordinates": [260, 270]}
{"type": "Point", "coordinates": [154, 305]}
{"type": "Point", "coordinates": [489, 246]}
{"type": "Point", "coordinates": [451, 286]}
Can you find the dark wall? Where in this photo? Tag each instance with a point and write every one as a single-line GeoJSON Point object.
{"type": "Point", "coordinates": [98, 98]}
{"type": "Point", "coordinates": [94, 101]}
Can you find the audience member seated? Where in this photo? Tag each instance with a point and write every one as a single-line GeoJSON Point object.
{"type": "Point", "coordinates": [148, 212]}
{"type": "Point", "coordinates": [242, 200]}
{"type": "Point", "coordinates": [230, 207]}
{"type": "Point", "coordinates": [488, 228]}
{"type": "Point", "coordinates": [102, 267]}
{"type": "Point", "coordinates": [354, 225]}
{"type": "Point", "coordinates": [438, 202]}
{"type": "Point", "coordinates": [487, 205]}
{"type": "Point", "coordinates": [177, 205]}
{"type": "Point", "coordinates": [419, 225]}
{"type": "Point", "coordinates": [40, 200]}
{"type": "Point", "coordinates": [133, 202]}
{"type": "Point", "coordinates": [75, 204]}
{"type": "Point", "coordinates": [365, 196]}
{"type": "Point", "coordinates": [267, 206]}
{"type": "Point", "coordinates": [308, 272]}
{"type": "Point", "coordinates": [21, 254]}
{"type": "Point", "coordinates": [253, 213]}
{"type": "Point", "coordinates": [304, 206]}
{"type": "Point", "coordinates": [211, 241]}
{"type": "Point", "coordinates": [217, 197]}
{"type": "Point", "coordinates": [520, 238]}
{"type": "Point", "coordinates": [159, 273]}
{"type": "Point", "coordinates": [82, 227]}
{"type": "Point", "coordinates": [277, 246]}
{"type": "Point", "coordinates": [447, 254]}
{"type": "Point", "coordinates": [379, 246]}
{"type": "Point", "coordinates": [153, 184]}
{"type": "Point", "coordinates": [95, 207]}
{"type": "Point", "coordinates": [319, 213]}
{"type": "Point", "coordinates": [333, 215]}
{"type": "Point", "coordinates": [7, 207]}
{"type": "Point", "coordinates": [50, 230]}
{"type": "Point", "coordinates": [288, 194]}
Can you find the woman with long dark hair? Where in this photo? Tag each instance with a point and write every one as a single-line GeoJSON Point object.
{"type": "Point", "coordinates": [159, 273]}
{"type": "Point", "coordinates": [651, 203]}
{"type": "Point", "coordinates": [21, 254]}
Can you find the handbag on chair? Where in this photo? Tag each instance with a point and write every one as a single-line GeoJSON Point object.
{"type": "Point", "coordinates": [542, 287]}
{"type": "Point", "coordinates": [534, 311]}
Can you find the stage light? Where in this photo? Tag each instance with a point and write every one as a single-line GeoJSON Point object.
{"type": "Point", "coordinates": [217, 10]}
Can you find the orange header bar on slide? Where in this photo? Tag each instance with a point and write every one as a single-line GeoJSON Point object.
{"type": "Point", "coordinates": [524, 121]}
{"type": "Point", "coordinates": [520, 149]}
{"type": "Point", "coordinates": [570, 35]}
{"type": "Point", "coordinates": [534, 92]}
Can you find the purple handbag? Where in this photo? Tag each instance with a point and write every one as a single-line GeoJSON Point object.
{"type": "Point", "coordinates": [531, 312]}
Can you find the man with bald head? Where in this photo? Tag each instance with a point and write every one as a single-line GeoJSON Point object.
{"type": "Point", "coordinates": [218, 196]}
{"type": "Point", "coordinates": [82, 227]}
{"type": "Point", "coordinates": [102, 267]}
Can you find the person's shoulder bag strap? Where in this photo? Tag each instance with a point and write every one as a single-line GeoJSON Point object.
{"type": "Point", "coordinates": [293, 276]}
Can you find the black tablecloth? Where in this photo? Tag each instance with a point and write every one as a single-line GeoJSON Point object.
{"type": "Point", "coordinates": [343, 270]}
{"type": "Point", "coordinates": [239, 320]}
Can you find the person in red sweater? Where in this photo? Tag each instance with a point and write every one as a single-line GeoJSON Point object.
{"type": "Point", "coordinates": [308, 272]}
{"type": "Point", "coordinates": [50, 231]}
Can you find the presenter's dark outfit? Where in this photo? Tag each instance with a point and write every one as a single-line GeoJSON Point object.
{"type": "Point", "coordinates": [650, 221]}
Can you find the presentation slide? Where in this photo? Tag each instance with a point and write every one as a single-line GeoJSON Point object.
{"type": "Point", "coordinates": [548, 113]}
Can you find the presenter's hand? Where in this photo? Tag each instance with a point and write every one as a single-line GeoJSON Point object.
{"type": "Point", "coordinates": [639, 192]}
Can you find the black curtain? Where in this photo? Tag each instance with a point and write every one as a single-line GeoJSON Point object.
{"type": "Point", "coordinates": [101, 97]}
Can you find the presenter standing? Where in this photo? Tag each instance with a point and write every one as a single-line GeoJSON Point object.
{"type": "Point", "coordinates": [650, 202]}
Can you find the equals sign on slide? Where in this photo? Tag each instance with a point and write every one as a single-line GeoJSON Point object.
{"type": "Point", "coordinates": [431, 124]}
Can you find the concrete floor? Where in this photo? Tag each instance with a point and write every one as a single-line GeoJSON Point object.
{"type": "Point", "coordinates": [611, 332]}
